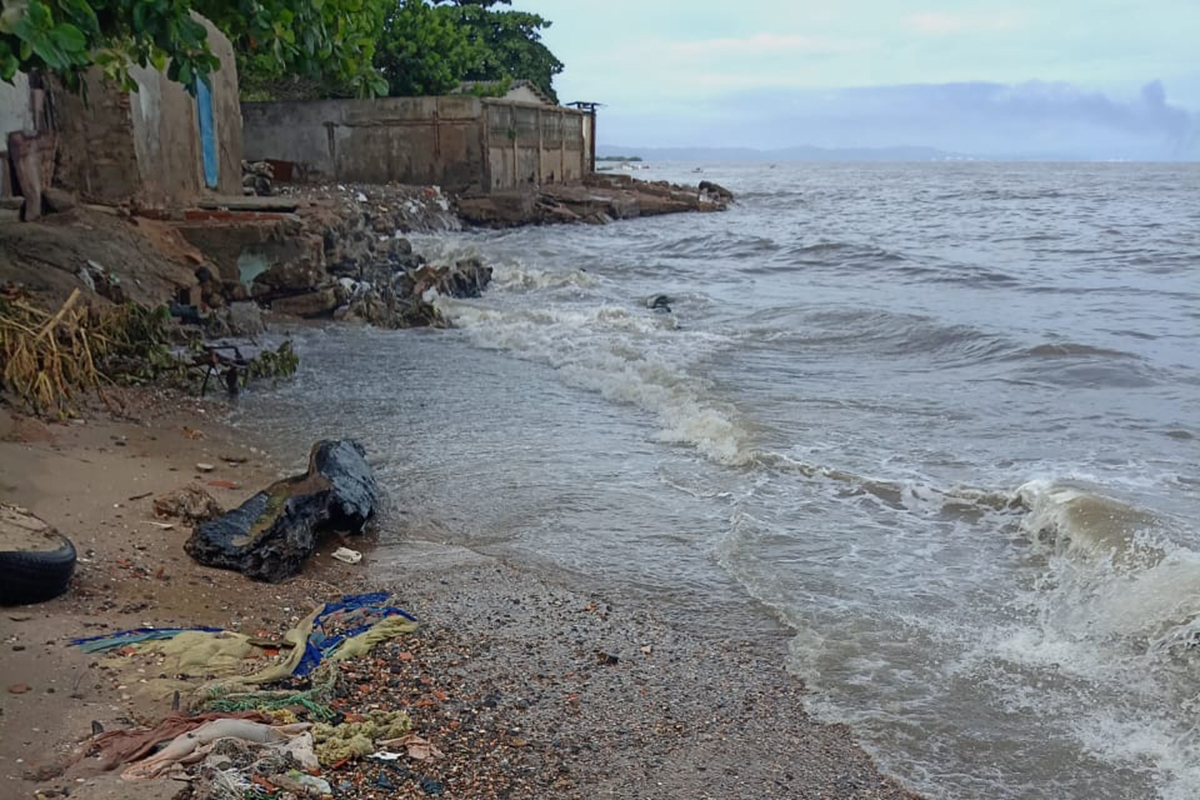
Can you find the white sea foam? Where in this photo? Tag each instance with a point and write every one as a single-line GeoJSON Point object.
{"type": "Point", "coordinates": [626, 354]}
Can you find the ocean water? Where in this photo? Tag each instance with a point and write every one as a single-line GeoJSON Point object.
{"type": "Point", "coordinates": [937, 423]}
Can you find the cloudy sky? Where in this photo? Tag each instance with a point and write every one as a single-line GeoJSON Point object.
{"type": "Point", "coordinates": [1095, 78]}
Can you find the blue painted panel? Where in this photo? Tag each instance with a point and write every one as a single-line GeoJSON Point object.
{"type": "Point", "coordinates": [208, 138]}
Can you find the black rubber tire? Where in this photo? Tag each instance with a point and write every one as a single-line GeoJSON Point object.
{"type": "Point", "coordinates": [34, 576]}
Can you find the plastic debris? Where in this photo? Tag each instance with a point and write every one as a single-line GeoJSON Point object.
{"type": "Point", "coordinates": [347, 555]}
{"type": "Point", "coordinates": [416, 747]}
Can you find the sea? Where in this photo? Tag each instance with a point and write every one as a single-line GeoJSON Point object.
{"type": "Point", "coordinates": [935, 424]}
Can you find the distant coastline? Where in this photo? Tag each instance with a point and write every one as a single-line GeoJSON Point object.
{"type": "Point", "coordinates": [811, 153]}
{"type": "Point", "coordinates": [804, 153]}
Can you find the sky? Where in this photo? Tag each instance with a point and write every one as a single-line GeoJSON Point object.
{"type": "Point", "coordinates": [1027, 78]}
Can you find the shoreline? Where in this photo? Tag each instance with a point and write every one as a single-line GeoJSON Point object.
{"type": "Point", "coordinates": [607, 697]}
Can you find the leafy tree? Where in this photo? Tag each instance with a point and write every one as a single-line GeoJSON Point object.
{"type": "Point", "coordinates": [423, 50]}
{"type": "Point", "coordinates": [511, 43]}
{"type": "Point", "coordinates": [327, 42]}
{"type": "Point", "coordinates": [327, 39]}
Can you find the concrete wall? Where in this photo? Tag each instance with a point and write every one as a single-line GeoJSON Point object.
{"type": "Point", "coordinates": [15, 111]}
{"type": "Point", "coordinates": [534, 144]}
{"type": "Point", "coordinates": [457, 141]}
{"type": "Point", "coordinates": [145, 146]}
{"type": "Point", "coordinates": [523, 94]}
{"type": "Point", "coordinates": [418, 140]}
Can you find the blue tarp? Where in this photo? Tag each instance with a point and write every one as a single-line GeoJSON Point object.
{"type": "Point", "coordinates": [359, 611]}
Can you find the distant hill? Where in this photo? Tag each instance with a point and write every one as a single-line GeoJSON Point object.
{"type": "Point", "coordinates": [803, 153]}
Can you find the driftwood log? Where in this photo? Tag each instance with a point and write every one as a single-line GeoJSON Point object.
{"type": "Point", "coordinates": [270, 535]}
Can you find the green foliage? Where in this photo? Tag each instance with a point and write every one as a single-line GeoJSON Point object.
{"type": "Point", "coordinates": [275, 364]}
{"type": "Point", "coordinates": [423, 50]}
{"type": "Point", "coordinates": [327, 40]}
{"type": "Point", "coordinates": [431, 47]}
{"type": "Point", "coordinates": [510, 43]}
{"type": "Point", "coordinates": [284, 47]}
{"type": "Point", "coordinates": [330, 43]}
{"type": "Point", "coordinates": [65, 37]}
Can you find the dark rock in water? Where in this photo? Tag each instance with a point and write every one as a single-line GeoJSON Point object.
{"type": "Point", "coordinates": [659, 302]}
{"type": "Point", "coordinates": [467, 278]}
{"type": "Point", "coordinates": [270, 535]}
{"type": "Point", "coordinates": [716, 189]}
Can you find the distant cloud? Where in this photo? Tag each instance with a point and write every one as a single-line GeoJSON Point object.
{"type": "Point", "coordinates": [1030, 119]}
{"type": "Point", "coordinates": [940, 24]}
{"type": "Point", "coordinates": [763, 44]}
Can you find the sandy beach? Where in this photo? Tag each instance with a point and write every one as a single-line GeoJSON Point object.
{"type": "Point", "coordinates": [540, 691]}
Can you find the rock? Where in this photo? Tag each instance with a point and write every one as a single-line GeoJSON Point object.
{"type": "Point", "coordinates": [190, 504]}
{"type": "Point", "coordinates": [716, 189]}
{"type": "Point", "coordinates": [652, 204]}
{"type": "Point", "coordinates": [244, 319]}
{"type": "Point", "coordinates": [499, 209]}
{"type": "Point", "coordinates": [659, 302]}
{"type": "Point", "coordinates": [467, 278]}
{"type": "Point", "coordinates": [58, 201]}
{"type": "Point", "coordinates": [314, 304]}
{"type": "Point", "coordinates": [387, 310]}
{"type": "Point", "coordinates": [202, 467]}
{"type": "Point", "coordinates": [270, 535]}
{"type": "Point", "coordinates": [288, 278]}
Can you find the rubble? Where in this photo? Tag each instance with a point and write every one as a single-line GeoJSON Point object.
{"type": "Point", "coordinates": [190, 504]}
{"type": "Point", "coordinates": [258, 178]}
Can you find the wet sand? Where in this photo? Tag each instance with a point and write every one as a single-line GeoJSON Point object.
{"type": "Point", "coordinates": [546, 692]}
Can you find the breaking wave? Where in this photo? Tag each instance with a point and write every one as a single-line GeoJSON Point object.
{"type": "Point", "coordinates": [627, 355]}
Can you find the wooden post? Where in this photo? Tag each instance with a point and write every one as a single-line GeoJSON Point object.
{"type": "Point", "coordinates": [516, 154]}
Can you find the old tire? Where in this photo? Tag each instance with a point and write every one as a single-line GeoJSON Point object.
{"type": "Point", "coordinates": [36, 561]}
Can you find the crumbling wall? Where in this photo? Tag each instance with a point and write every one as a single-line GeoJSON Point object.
{"type": "Point", "coordinates": [413, 140]}
{"type": "Point", "coordinates": [145, 146]}
{"type": "Point", "coordinates": [458, 141]}
{"type": "Point", "coordinates": [15, 111]}
{"type": "Point", "coordinates": [97, 152]}
{"type": "Point", "coordinates": [534, 144]}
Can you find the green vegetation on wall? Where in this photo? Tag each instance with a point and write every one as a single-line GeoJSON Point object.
{"type": "Point", "coordinates": [285, 48]}
{"type": "Point", "coordinates": [327, 40]}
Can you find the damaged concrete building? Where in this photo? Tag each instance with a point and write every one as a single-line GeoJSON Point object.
{"type": "Point", "coordinates": [461, 142]}
{"type": "Point", "coordinates": [157, 147]}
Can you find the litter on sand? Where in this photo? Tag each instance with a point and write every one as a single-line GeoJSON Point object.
{"type": "Point", "coordinates": [347, 555]}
